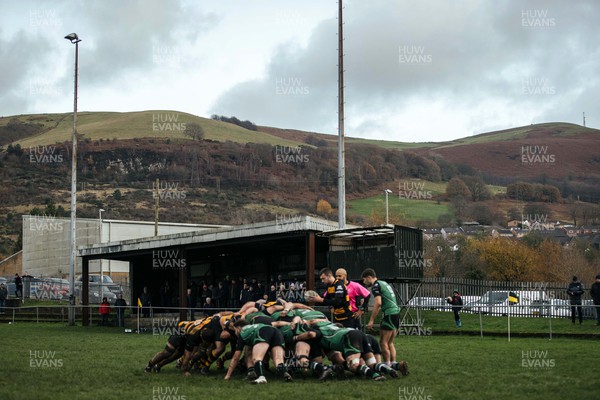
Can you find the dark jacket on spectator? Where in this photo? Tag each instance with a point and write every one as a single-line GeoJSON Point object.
{"type": "Point", "coordinates": [575, 290]}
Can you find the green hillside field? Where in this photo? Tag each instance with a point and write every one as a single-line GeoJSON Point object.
{"type": "Point", "coordinates": [142, 124]}
{"type": "Point", "coordinates": [411, 200]}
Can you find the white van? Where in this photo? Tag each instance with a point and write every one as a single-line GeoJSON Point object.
{"type": "Point", "coordinates": [496, 302]}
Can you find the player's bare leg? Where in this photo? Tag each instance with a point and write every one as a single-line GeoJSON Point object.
{"type": "Point", "coordinates": [278, 356]}
{"type": "Point", "coordinates": [384, 341]}
{"type": "Point", "coordinates": [259, 351]}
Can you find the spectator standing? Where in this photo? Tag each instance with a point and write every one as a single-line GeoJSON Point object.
{"type": "Point", "coordinates": [272, 293]}
{"type": "Point", "coordinates": [18, 286]}
{"type": "Point", "coordinates": [575, 290]}
{"type": "Point", "coordinates": [259, 291]}
{"type": "Point", "coordinates": [226, 288]}
{"type": "Point", "coordinates": [146, 302]}
{"type": "Point", "coordinates": [281, 281]}
{"type": "Point", "coordinates": [208, 307]}
{"type": "Point", "coordinates": [3, 297]}
{"type": "Point", "coordinates": [104, 311]}
{"type": "Point", "coordinates": [214, 290]}
{"type": "Point", "coordinates": [595, 293]}
{"type": "Point", "coordinates": [221, 296]}
{"type": "Point", "coordinates": [120, 305]}
{"type": "Point", "coordinates": [246, 294]}
{"type": "Point", "coordinates": [206, 292]}
{"type": "Point", "coordinates": [234, 295]}
{"type": "Point", "coordinates": [192, 301]}
{"type": "Point", "coordinates": [165, 295]}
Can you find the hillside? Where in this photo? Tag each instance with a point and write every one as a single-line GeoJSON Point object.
{"type": "Point", "coordinates": [564, 151]}
{"type": "Point", "coordinates": [57, 128]}
{"type": "Point", "coordinates": [236, 175]}
{"type": "Point", "coordinates": [558, 151]}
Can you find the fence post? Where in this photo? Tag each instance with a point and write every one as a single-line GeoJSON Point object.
{"type": "Point", "coordinates": [37, 315]}
{"type": "Point", "coordinates": [550, 321]}
{"type": "Point", "coordinates": [13, 316]}
{"type": "Point", "coordinates": [480, 323]}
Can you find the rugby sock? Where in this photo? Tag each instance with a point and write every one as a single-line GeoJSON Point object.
{"type": "Point", "coordinates": [212, 356]}
{"type": "Point", "coordinates": [395, 365]}
{"type": "Point", "coordinates": [293, 363]}
{"type": "Point", "coordinates": [366, 371]}
{"type": "Point", "coordinates": [281, 369]}
{"type": "Point", "coordinates": [200, 358]}
{"type": "Point", "coordinates": [318, 368]}
{"type": "Point", "coordinates": [258, 368]}
{"type": "Point", "coordinates": [381, 367]}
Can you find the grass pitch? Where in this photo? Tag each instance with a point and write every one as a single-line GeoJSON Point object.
{"type": "Point", "coordinates": [54, 361]}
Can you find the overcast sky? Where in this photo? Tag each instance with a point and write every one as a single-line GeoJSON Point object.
{"type": "Point", "coordinates": [426, 70]}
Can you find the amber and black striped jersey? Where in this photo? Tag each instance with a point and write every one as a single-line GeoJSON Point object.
{"type": "Point", "coordinates": [263, 307]}
{"type": "Point", "coordinates": [193, 331]}
{"type": "Point", "coordinates": [337, 297]}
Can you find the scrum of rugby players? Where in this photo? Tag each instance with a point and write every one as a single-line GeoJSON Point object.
{"type": "Point", "coordinates": [293, 335]}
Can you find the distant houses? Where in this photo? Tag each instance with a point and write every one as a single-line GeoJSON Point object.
{"type": "Point", "coordinates": [559, 231]}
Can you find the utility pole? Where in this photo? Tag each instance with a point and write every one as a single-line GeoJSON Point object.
{"type": "Point", "coordinates": [156, 208]}
{"type": "Point", "coordinates": [584, 118]}
{"type": "Point", "coordinates": [341, 151]}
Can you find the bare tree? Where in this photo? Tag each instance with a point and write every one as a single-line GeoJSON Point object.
{"type": "Point", "coordinates": [194, 131]}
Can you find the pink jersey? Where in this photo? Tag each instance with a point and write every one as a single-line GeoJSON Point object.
{"type": "Point", "coordinates": [356, 289]}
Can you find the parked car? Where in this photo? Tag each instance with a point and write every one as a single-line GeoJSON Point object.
{"type": "Point", "coordinates": [469, 299]}
{"type": "Point", "coordinates": [107, 283]}
{"type": "Point", "coordinates": [496, 302]}
{"type": "Point", "coordinates": [108, 288]}
{"type": "Point", "coordinates": [562, 308]}
{"type": "Point", "coordinates": [12, 288]}
{"type": "Point", "coordinates": [95, 298]}
{"type": "Point", "coordinates": [431, 303]}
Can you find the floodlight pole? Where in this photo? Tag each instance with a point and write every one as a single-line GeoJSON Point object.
{"type": "Point", "coordinates": [72, 245]}
{"type": "Point", "coordinates": [341, 151]}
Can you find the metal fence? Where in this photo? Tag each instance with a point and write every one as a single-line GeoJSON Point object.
{"type": "Point", "coordinates": [491, 297]}
{"type": "Point", "coordinates": [59, 289]}
{"type": "Point", "coordinates": [162, 321]}
{"type": "Point", "coordinates": [442, 287]}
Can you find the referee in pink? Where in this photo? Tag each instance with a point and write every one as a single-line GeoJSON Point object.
{"type": "Point", "coordinates": [355, 291]}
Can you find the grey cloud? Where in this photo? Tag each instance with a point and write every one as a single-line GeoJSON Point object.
{"type": "Point", "coordinates": [21, 57]}
{"type": "Point", "coordinates": [137, 36]}
{"type": "Point", "coordinates": [119, 39]}
{"type": "Point", "coordinates": [477, 51]}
